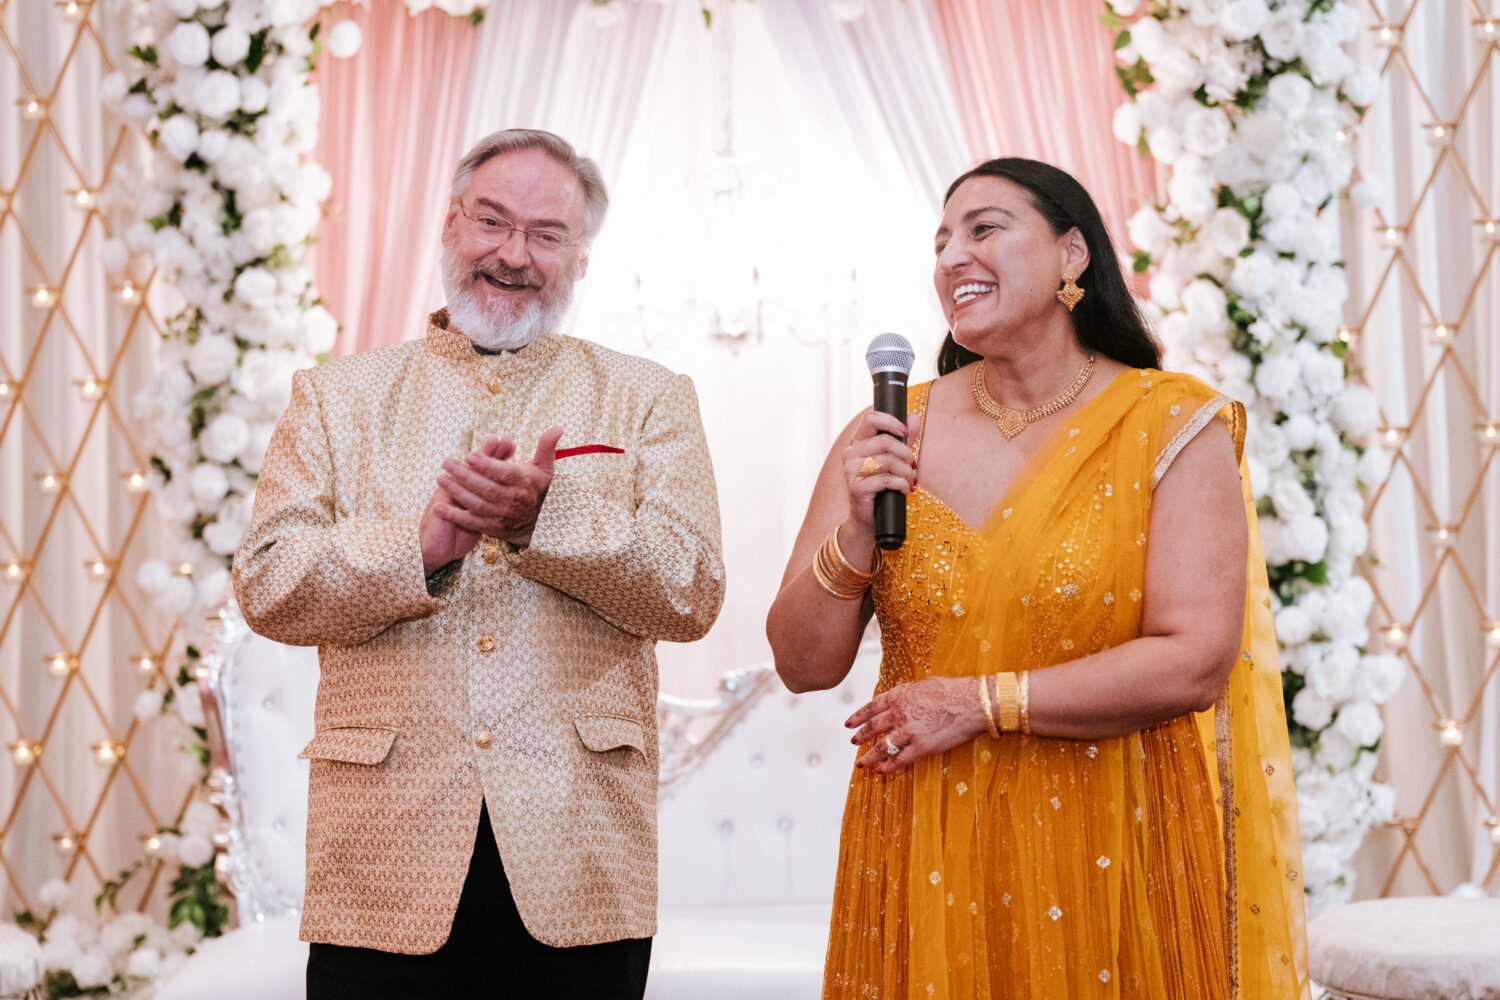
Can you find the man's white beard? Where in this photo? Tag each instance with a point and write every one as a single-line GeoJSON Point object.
{"type": "Point", "coordinates": [491, 324]}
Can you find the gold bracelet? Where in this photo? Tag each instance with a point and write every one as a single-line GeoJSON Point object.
{"type": "Point", "coordinates": [836, 575]}
{"type": "Point", "coordinates": [1007, 711]}
{"type": "Point", "coordinates": [984, 700]}
{"type": "Point", "coordinates": [1023, 702]}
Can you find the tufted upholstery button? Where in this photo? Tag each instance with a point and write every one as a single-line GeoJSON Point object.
{"type": "Point", "coordinates": [726, 826]}
{"type": "Point", "coordinates": [269, 704]}
{"type": "Point", "coordinates": [814, 759]}
{"type": "Point", "coordinates": [486, 643]}
{"type": "Point", "coordinates": [757, 761]}
{"type": "Point", "coordinates": [483, 739]}
{"type": "Point", "coordinates": [785, 823]}
{"type": "Point", "coordinates": [279, 825]}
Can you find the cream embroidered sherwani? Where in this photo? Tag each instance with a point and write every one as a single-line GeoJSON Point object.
{"type": "Point", "coordinates": [528, 680]}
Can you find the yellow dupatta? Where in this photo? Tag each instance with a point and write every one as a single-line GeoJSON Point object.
{"type": "Point", "coordinates": [1162, 864]}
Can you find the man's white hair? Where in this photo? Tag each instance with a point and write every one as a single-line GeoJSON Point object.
{"type": "Point", "coordinates": [513, 140]}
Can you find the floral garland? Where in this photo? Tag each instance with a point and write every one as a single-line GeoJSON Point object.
{"type": "Point", "coordinates": [1251, 103]}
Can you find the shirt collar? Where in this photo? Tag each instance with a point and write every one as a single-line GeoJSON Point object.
{"type": "Point", "coordinates": [455, 346]}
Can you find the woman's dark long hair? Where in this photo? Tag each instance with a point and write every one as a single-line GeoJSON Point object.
{"type": "Point", "coordinates": [1106, 321]}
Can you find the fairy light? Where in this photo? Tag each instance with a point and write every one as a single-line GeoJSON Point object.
{"type": "Point", "coordinates": [1492, 634]}
{"type": "Point", "coordinates": [1396, 636]}
{"type": "Point", "coordinates": [83, 198]}
{"type": "Point", "coordinates": [32, 108]}
{"type": "Point", "coordinates": [41, 296]}
{"type": "Point", "coordinates": [65, 843]}
{"type": "Point", "coordinates": [6, 388]}
{"type": "Point", "coordinates": [1442, 333]}
{"type": "Point", "coordinates": [1387, 35]}
{"type": "Point", "coordinates": [1443, 536]}
{"type": "Point", "coordinates": [145, 663]}
{"type": "Point", "coordinates": [61, 664]}
{"type": "Point", "coordinates": [185, 569]}
{"type": "Point", "coordinates": [51, 482]}
{"type": "Point", "coordinates": [24, 752]}
{"type": "Point", "coordinates": [107, 753]}
{"type": "Point", "coordinates": [1450, 732]}
{"type": "Point", "coordinates": [1393, 435]}
{"type": "Point", "coordinates": [1488, 433]}
{"type": "Point", "coordinates": [98, 568]}
{"type": "Point", "coordinates": [1347, 334]}
{"type": "Point", "coordinates": [128, 292]}
{"type": "Point", "coordinates": [150, 843]}
{"type": "Point", "coordinates": [1393, 235]}
{"type": "Point", "coordinates": [71, 10]}
{"type": "Point", "coordinates": [92, 389]}
{"type": "Point", "coordinates": [13, 571]}
{"type": "Point", "coordinates": [1490, 228]}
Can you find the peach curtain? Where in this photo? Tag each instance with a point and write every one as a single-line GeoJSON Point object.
{"type": "Point", "coordinates": [392, 126]}
{"type": "Point", "coordinates": [1036, 78]}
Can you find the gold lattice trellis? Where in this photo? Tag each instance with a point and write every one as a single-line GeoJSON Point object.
{"type": "Point", "coordinates": [1425, 284]}
{"type": "Point", "coordinates": [84, 782]}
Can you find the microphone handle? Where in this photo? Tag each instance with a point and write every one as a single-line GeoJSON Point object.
{"type": "Point", "coordinates": [890, 505]}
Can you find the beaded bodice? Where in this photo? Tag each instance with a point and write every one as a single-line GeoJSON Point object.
{"type": "Point", "coordinates": [914, 590]}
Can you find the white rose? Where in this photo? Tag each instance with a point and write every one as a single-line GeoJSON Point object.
{"type": "Point", "coordinates": [1266, 443]}
{"type": "Point", "coordinates": [1149, 38]}
{"type": "Point", "coordinates": [256, 287]}
{"type": "Point", "coordinates": [1276, 376]}
{"type": "Point", "coordinates": [1362, 85]}
{"type": "Point", "coordinates": [176, 596]}
{"type": "Point", "coordinates": [219, 94]}
{"type": "Point", "coordinates": [189, 45]}
{"type": "Point", "coordinates": [1335, 750]}
{"type": "Point", "coordinates": [1154, 108]}
{"type": "Point", "coordinates": [147, 705]}
{"type": "Point", "coordinates": [254, 94]}
{"type": "Point", "coordinates": [1127, 123]}
{"type": "Point", "coordinates": [1344, 620]}
{"type": "Point", "coordinates": [344, 40]}
{"type": "Point", "coordinates": [1242, 20]}
{"type": "Point", "coordinates": [196, 851]}
{"type": "Point", "coordinates": [1206, 306]}
{"type": "Point", "coordinates": [53, 894]}
{"type": "Point", "coordinates": [152, 576]}
{"type": "Point", "coordinates": [179, 137]}
{"type": "Point", "coordinates": [1148, 231]}
{"type": "Point", "coordinates": [184, 8]}
{"type": "Point", "coordinates": [259, 232]}
{"type": "Point", "coordinates": [119, 935]}
{"type": "Point", "coordinates": [1301, 431]}
{"type": "Point", "coordinates": [1360, 722]}
{"type": "Point", "coordinates": [1124, 8]}
{"type": "Point", "coordinates": [1326, 62]}
{"type": "Point", "coordinates": [1252, 275]}
{"type": "Point", "coordinates": [221, 538]}
{"type": "Point", "coordinates": [209, 484]}
{"type": "Point", "coordinates": [1321, 864]}
{"type": "Point", "coordinates": [1289, 93]}
{"type": "Point", "coordinates": [200, 819]}
{"type": "Point", "coordinates": [1312, 818]}
{"type": "Point", "coordinates": [1306, 538]}
{"type": "Point", "coordinates": [91, 969]}
{"type": "Point", "coordinates": [1381, 676]}
{"type": "Point", "coordinates": [1293, 626]}
{"type": "Point", "coordinates": [1229, 231]}
{"type": "Point", "coordinates": [1317, 129]}
{"type": "Point", "coordinates": [1205, 131]}
{"type": "Point", "coordinates": [1356, 412]}
{"type": "Point", "coordinates": [1282, 200]}
{"type": "Point", "coordinates": [1175, 71]}
{"type": "Point", "coordinates": [225, 437]}
{"type": "Point", "coordinates": [1261, 134]}
{"type": "Point", "coordinates": [318, 330]}
{"type": "Point", "coordinates": [231, 44]}
{"type": "Point", "coordinates": [1291, 500]}
{"type": "Point", "coordinates": [1332, 674]}
{"type": "Point", "coordinates": [1283, 34]}
{"type": "Point", "coordinates": [144, 963]}
{"type": "Point", "coordinates": [1203, 13]}
{"type": "Point", "coordinates": [212, 358]}
{"type": "Point", "coordinates": [1311, 709]}
{"type": "Point", "coordinates": [1322, 373]}
{"type": "Point", "coordinates": [1164, 142]}
{"type": "Point", "coordinates": [185, 935]}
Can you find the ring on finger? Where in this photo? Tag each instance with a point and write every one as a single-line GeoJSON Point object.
{"type": "Point", "coordinates": [891, 749]}
{"type": "Point", "coordinates": [869, 467]}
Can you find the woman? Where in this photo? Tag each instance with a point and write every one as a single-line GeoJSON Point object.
{"type": "Point", "coordinates": [1077, 655]}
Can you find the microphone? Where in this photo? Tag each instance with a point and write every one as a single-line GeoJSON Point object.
{"type": "Point", "coordinates": [889, 358]}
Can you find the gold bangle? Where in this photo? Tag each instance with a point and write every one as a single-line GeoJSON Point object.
{"type": "Point", "coordinates": [1007, 712]}
{"type": "Point", "coordinates": [984, 701]}
{"type": "Point", "coordinates": [1023, 702]}
{"type": "Point", "coordinates": [836, 575]}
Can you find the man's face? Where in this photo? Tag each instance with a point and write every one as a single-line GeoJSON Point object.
{"type": "Point", "coordinates": [507, 288]}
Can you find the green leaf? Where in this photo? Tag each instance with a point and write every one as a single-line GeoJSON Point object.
{"type": "Point", "coordinates": [1201, 96]}
{"type": "Point", "coordinates": [476, 16]}
{"type": "Point", "coordinates": [232, 217]}
{"type": "Point", "coordinates": [161, 468]}
{"type": "Point", "coordinates": [196, 162]}
{"type": "Point", "coordinates": [1140, 261]}
{"type": "Point", "coordinates": [708, 17]}
{"type": "Point", "coordinates": [1338, 348]}
{"type": "Point", "coordinates": [139, 87]}
{"type": "Point", "coordinates": [1110, 20]}
{"type": "Point", "coordinates": [145, 53]}
{"type": "Point", "coordinates": [1316, 572]}
{"type": "Point", "coordinates": [192, 653]}
{"type": "Point", "coordinates": [1264, 507]}
{"type": "Point", "coordinates": [257, 52]}
{"type": "Point", "coordinates": [1122, 40]}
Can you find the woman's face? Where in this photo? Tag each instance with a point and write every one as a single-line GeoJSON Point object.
{"type": "Point", "coordinates": [999, 264]}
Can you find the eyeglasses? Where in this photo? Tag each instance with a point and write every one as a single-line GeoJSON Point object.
{"type": "Point", "coordinates": [490, 230]}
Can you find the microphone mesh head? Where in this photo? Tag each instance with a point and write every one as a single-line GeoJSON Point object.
{"type": "Point", "coordinates": [890, 352]}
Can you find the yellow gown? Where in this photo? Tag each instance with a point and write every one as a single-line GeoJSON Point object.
{"type": "Point", "coordinates": [1158, 865]}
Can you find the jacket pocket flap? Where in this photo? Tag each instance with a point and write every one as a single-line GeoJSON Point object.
{"type": "Point", "coordinates": [610, 732]}
{"type": "Point", "coordinates": [350, 744]}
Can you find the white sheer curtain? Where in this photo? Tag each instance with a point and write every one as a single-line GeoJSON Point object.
{"type": "Point", "coordinates": [1450, 472]}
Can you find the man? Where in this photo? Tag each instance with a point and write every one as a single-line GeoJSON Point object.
{"type": "Point", "coordinates": [482, 810]}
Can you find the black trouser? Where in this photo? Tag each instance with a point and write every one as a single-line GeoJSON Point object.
{"type": "Point", "coordinates": [488, 955]}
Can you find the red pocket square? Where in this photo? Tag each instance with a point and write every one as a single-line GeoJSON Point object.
{"type": "Point", "coordinates": [589, 449]}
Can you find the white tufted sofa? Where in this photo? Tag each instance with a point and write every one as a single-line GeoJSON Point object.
{"type": "Point", "coordinates": [752, 798]}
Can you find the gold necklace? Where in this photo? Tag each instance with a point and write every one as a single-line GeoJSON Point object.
{"type": "Point", "coordinates": [1011, 421]}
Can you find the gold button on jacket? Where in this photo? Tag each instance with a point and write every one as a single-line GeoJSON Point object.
{"type": "Point", "coordinates": [625, 552]}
